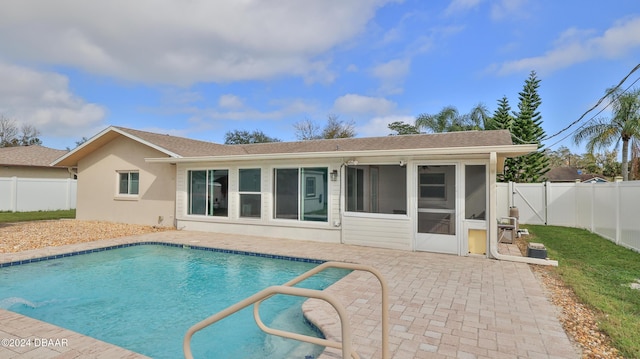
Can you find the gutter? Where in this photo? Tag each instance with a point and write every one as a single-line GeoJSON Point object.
{"type": "Point", "coordinates": [493, 224]}
{"type": "Point", "coordinates": [505, 150]}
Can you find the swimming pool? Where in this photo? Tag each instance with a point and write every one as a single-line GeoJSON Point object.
{"type": "Point", "coordinates": [145, 297]}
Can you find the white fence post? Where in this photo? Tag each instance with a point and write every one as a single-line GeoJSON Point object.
{"type": "Point", "coordinates": [67, 205]}
{"type": "Point", "coordinates": [14, 194]}
{"type": "Point", "coordinates": [618, 229]}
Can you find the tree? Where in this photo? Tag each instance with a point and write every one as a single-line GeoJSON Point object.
{"type": "Point", "coordinates": [8, 131]}
{"type": "Point", "coordinates": [561, 157]}
{"type": "Point", "coordinates": [502, 118]}
{"type": "Point", "coordinates": [402, 128]}
{"type": "Point", "coordinates": [11, 135]}
{"type": "Point", "coordinates": [238, 137]}
{"type": "Point", "coordinates": [624, 126]}
{"type": "Point", "coordinates": [478, 118]}
{"type": "Point", "coordinates": [334, 128]}
{"type": "Point", "coordinates": [447, 120]}
{"type": "Point", "coordinates": [79, 142]}
{"type": "Point", "coordinates": [527, 129]}
{"type": "Point", "coordinates": [450, 120]}
{"type": "Point", "coordinates": [307, 130]}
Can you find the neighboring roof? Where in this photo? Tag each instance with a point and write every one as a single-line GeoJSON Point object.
{"type": "Point", "coordinates": [34, 155]}
{"type": "Point", "coordinates": [594, 179]}
{"type": "Point", "coordinates": [176, 148]}
{"type": "Point", "coordinates": [571, 174]}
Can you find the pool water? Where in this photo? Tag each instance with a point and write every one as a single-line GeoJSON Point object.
{"type": "Point", "coordinates": [145, 297]}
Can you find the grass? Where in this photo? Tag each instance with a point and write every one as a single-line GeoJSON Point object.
{"type": "Point", "coordinates": [36, 216]}
{"type": "Point", "coordinates": [599, 272]}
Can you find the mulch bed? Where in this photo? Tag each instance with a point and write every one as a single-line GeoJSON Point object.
{"type": "Point", "coordinates": [578, 320]}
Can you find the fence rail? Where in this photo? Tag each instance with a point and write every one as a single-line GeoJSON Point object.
{"type": "Point", "coordinates": [37, 194]}
{"type": "Point", "coordinates": [608, 209]}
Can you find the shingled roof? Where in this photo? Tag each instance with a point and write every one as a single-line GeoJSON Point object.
{"type": "Point", "coordinates": [184, 147]}
{"type": "Point", "coordinates": [34, 155]}
{"type": "Point", "coordinates": [175, 147]}
{"type": "Point", "coordinates": [193, 148]}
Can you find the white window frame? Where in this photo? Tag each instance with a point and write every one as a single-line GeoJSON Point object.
{"type": "Point", "coordinates": [128, 194]}
{"type": "Point", "coordinates": [240, 193]}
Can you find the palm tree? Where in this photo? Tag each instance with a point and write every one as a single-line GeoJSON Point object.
{"type": "Point", "coordinates": [450, 120]}
{"type": "Point", "coordinates": [623, 126]}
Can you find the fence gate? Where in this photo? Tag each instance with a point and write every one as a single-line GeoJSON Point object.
{"type": "Point", "coordinates": [531, 200]}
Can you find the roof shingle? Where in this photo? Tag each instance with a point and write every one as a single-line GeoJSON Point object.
{"type": "Point", "coordinates": [34, 155]}
{"type": "Point", "coordinates": [193, 148]}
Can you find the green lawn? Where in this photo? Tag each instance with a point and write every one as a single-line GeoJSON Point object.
{"type": "Point", "coordinates": [600, 273]}
{"type": "Point", "coordinates": [36, 216]}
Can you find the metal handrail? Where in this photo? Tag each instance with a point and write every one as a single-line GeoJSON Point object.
{"type": "Point", "coordinates": [288, 289]}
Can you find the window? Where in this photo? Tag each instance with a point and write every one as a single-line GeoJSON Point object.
{"type": "Point", "coordinates": [475, 190]}
{"type": "Point", "coordinates": [207, 192]}
{"type": "Point", "coordinates": [432, 186]}
{"type": "Point", "coordinates": [377, 189]}
{"type": "Point", "coordinates": [301, 194]}
{"type": "Point", "coordinates": [128, 183]}
{"type": "Point", "coordinates": [249, 188]}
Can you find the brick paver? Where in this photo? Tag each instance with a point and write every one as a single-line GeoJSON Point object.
{"type": "Point", "coordinates": [442, 306]}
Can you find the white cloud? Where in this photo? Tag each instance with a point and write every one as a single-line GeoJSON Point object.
{"type": "Point", "coordinates": [378, 126]}
{"type": "Point", "coordinates": [392, 75]}
{"type": "Point", "coordinates": [574, 46]}
{"type": "Point", "coordinates": [44, 100]}
{"type": "Point", "coordinates": [230, 101]}
{"type": "Point", "coordinates": [358, 104]}
{"type": "Point", "coordinates": [173, 42]}
{"type": "Point", "coordinates": [509, 9]}
{"type": "Point", "coordinates": [457, 6]}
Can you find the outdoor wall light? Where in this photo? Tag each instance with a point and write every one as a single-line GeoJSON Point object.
{"type": "Point", "coordinates": [334, 175]}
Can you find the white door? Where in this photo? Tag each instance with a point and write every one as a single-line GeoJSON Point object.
{"type": "Point", "coordinates": [436, 213]}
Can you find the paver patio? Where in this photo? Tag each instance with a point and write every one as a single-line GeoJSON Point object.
{"type": "Point", "coordinates": [442, 306]}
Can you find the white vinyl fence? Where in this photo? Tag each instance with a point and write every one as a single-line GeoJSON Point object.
{"type": "Point", "coordinates": [608, 209]}
{"type": "Point", "coordinates": [36, 194]}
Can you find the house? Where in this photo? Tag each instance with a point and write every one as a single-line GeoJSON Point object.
{"type": "Point", "coordinates": [29, 183]}
{"type": "Point", "coordinates": [572, 174]}
{"type": "Point", "coordinates": [32, 162]}
{"type": "Point", "coordinates": [430, 192]}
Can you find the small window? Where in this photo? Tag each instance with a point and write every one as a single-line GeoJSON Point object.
{"type": "Point", "coordinates": [250, 196]}
{"type": "Point", "coordinates": [432, 186]}
{"type": "Point", "coordinates": [128, 183]}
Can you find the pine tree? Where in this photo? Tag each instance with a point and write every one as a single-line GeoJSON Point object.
{"type": "Point", "coordinates": [526, 129]}
{"type": "Point", "coordinates": [502, 119]}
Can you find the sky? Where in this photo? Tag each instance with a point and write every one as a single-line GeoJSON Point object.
{"type": "Point", "coordinates": [202, 68]}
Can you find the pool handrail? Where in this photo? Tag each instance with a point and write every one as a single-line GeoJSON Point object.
{"type": "Point", "coordinates": [288, 289]}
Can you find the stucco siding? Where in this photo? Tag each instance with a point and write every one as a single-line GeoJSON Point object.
{"type": "Point", "coordinates": [98, 197]}
{"type": "Point", "coordinates": [377, 231]}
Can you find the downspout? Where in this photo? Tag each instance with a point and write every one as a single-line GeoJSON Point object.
{"type": "Point", "coordinates": [340, 202]}
{"type": "Point", "coordinates": [493, 223]}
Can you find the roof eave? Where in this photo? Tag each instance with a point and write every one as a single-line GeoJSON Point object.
{"type": "Point", "coordinates": [72, 157]}
{"type": "Point", "coordinates": [502, 150]}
